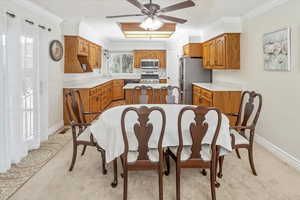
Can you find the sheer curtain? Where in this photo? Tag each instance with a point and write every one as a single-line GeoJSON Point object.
{"type": "Point", "coordinates": [43, 52]}
{"type": "Point", "coordinates": [30, 85]}
{"type": "Point", "coordinates": [4, 141]}
{"type": "Point", "coordinates": [21, 89]}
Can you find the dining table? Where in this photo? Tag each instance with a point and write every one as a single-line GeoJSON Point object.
{"type": "Point", "coordinates": [108, 133]}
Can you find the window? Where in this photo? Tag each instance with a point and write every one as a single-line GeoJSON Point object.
{"type": "Point", "coordinates": [121, 63]}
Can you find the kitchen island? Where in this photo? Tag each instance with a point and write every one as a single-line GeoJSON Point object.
{"type": "Point", "coordinates": [156, 95]}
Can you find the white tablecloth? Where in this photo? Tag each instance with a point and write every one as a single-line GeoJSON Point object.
{"type": "Point", "coordinates": [107, 130]}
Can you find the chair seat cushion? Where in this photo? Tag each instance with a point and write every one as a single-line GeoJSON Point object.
{"type": "Point", "coordinates": [85, 135]}
{"type": "Point", "coordinates": [186, 153]}
{"type": "Point", "coordinates": [239, 139]}
{"type": "Point", "coordinates": [153, 155]}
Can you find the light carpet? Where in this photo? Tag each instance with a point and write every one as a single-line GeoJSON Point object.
{"type": "Point", "coordinates": [275, 180]}
{"type": "Point", "coordinates": [20, 173]}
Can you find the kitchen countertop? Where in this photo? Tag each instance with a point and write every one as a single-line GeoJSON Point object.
{"type": "Point", "coordinates": [219, 86]}
{"type": "Point", "coordinates": [94, 81]}
{"type": "Point", "coordinates": [131, 86]}
{"type": "Point", "coordinates": [86, 83]}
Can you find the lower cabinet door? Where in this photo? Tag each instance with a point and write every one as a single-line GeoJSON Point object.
{"type": "Point", "coordinates": [205, 102]}
{"type": "Point", "coordinates": [196, 98]}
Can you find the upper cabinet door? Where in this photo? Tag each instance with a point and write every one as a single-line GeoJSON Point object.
{"type": "Point", "coordinates": [212, 53]}
{"type": "Point", "coordinates": [220, 53]}
{"type": "Point", "coordinates": [83, 47]}
{"type": "Point", "coordinates": [206, 55]}
{"type": "Point", "coordinates": [162, 58]}
{"type": "Point", "coordinates": [193, 50]}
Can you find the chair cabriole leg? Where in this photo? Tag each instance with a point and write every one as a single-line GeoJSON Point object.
{"type": "Point", "coordinates": [74, 156]}
{"type": "Point", "coordinates": [238, 153]}
{"type": "Point", "coordinates": [83, 150]}
{"type": "Point", "coordinates": [104, 170]}
{"type": "Point", "coordinates": [250, 155]}
{"type": "Point", "coordinates": [160, 182]}
{"type": "Point", "coordinates": [221, 160]}
{"type": "Point", "coordinates": [167, 158]}
{"type": "Point", "coordinates": [125, 186]}
{"type": "Point", "coordinates": [177, 181]}
{"type": "Point", "coordinates": [213, 182]}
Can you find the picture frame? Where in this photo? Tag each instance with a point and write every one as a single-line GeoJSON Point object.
{"type": "Point", "coordinates": [277, 50]}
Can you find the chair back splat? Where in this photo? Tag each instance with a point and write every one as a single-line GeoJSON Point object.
{"type": "Point", "coordinates": [198, 130]}
{"type": "Point", "coordinates": [248, 109]}
{"type": "Point", "coordinates": [74, 106]}
{"type": "Point", "coordinates": [143, 130]}
{"type": "Point", "coordinates": [144, 160]}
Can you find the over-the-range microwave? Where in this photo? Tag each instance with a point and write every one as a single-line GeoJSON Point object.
{"type": "Point", "coordinates": [150, 63]}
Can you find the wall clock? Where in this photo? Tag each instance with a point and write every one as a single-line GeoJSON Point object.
{"type": "Point", "coordinates": [56, 50]}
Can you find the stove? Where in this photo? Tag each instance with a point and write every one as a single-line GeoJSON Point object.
{"type": "Point", "coordinates": [150, 78]}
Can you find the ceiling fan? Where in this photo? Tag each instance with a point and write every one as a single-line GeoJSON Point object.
{"type": "Point", "coordinates": [154, 11]}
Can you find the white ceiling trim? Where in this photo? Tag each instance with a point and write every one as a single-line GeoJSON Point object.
{"type": "Point", "coordinates": [36, 8]}
{"type": "Point", "coordinates": [264, 8]}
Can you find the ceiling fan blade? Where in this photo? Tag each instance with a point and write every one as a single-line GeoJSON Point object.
{"type": "Point", "coordinates": [117, 16]}
{"type": "Point", "coordinates": [137, 4]}
{"type": "Point", "coordinates": [173, 19]}
{"type": "Point", "coordinates": [182, 5]}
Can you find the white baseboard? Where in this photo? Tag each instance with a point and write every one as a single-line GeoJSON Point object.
{"type": "Point", "coordinates": [278, 152]}
{"type": "Point", "coordinates": [53, 129]}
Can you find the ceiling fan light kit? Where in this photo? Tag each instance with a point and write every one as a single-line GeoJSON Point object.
{"type": "Point", "coordinates": [151, 24]}
{"type": "Point", "coordinates": [153, 11]}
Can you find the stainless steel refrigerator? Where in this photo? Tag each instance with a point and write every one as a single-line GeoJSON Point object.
{"type": "Point", "coordinates": [191, 71]}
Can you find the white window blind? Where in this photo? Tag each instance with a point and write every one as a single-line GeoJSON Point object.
{"type": "Point", "coordinates": [121, 62]}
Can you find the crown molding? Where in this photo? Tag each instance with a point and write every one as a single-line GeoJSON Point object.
{"type": "Point", "coordinates": [38, 9]}
{"type": "Point", "coordinates": [264, 8]}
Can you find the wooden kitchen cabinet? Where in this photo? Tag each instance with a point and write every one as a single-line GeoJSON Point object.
{"type": "Point", "coordinates": [81, 55]}
{"type": "Point", "coordinates": [226, 101]}
{"type": "Point", "coordinates": [83, 46]}
{"type": "Point", "coordinates": [206, 55]}
{"type": "Point", "coordinates": [161, 55]}
{"type": "Point", "coordinates": [118, 92]}
{"type": "Point", "coordinates": [193, 50]}
{"type": "Point", "coordinates": [97, 99]}
{"type": "Point", "coordinates": [94, 55]}
{"type": "Point", "coordinates": [163, 80]}
{"type": "Point", "coordinates": [222, 52]}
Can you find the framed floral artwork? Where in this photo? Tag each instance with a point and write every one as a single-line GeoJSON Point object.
{"type": "Point", "coordinates": [277, 50]}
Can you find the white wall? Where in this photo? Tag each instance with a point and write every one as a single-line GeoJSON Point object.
{"type": "Point", "coordinates": [280, 121]}
{"type": "Point", "coordinates": [175, 51]}
{"type": "Point", "coordinates": [223, 25]}
{"type": "Point", "coordinates": [90, 34]}
{"type": "Point", "coordinates": [25, 9]}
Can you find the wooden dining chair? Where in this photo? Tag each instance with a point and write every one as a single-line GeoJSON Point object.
{"type": "Point", "coordinates": [80, 132]}
{"type": "Point", "coordinates": [193, 156]}
{"type": "Point", "coordinates": [168, 96]}
{"type": "Point", "coordinates": [250, 108]}
{"type": "Point", "coordinates": [142, 94]}
{"type": "Point", "coordinates": [144, 158]}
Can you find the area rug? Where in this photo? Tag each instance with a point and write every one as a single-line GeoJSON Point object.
{"type": "Point", "coordinates": [20, 173]}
